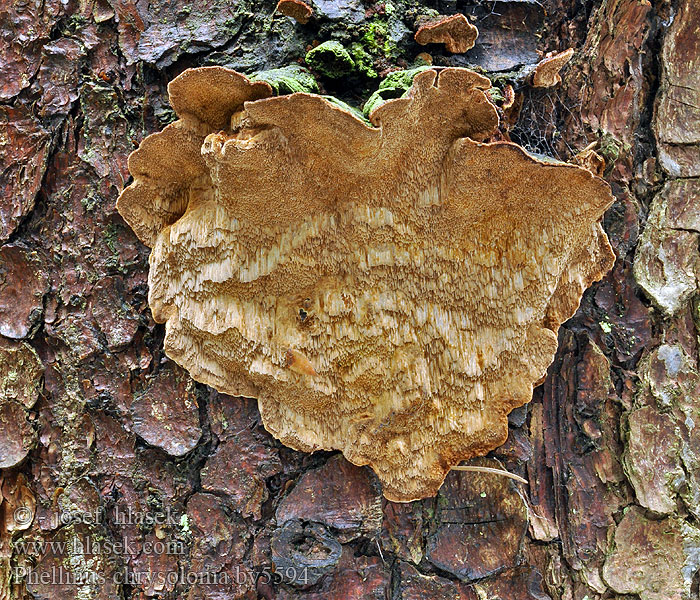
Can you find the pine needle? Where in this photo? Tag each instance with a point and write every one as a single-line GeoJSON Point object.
{"type": "Point", "coordinates": [501, 472]}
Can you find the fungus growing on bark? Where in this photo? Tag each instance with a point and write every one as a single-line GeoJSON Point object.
{"type": "Point", "coordinates": [298, 10]}
{"type": "Point", "coordinates": [546, 73]}
{"type": "Point", "coordinates": [591, 160]}
{"type": "Point", "coordinates": [455, 32]}
{"type": "Point", "coordinates": [392, 290]}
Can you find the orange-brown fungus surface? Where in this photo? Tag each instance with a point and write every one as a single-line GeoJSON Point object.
{"type": "Point", "coordinates": [298, 10]}
{"type": "Point", "coordinates": [546, 73]}
{"type": "Point", "coordinates": [455, 32]}
{"type": "Point", "coordinates": [389, 289]}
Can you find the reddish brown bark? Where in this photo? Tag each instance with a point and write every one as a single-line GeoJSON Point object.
{"type": "Point", "coordinates": [101, 435]}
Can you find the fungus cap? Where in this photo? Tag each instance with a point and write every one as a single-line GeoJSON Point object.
{"type": "Point", "coordinates": [546, 73]}
{"type": "Point", "coordinates": [591, 160]}
{"type": "Point", "coordinates": [298, 10]}
{"type": "Point", "coordinates": [455, 32]}
{"type": "Point", "coordinates": [392, 290]}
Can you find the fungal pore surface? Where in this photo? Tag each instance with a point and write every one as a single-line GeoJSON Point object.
{"type": "Point", "coordinates": [390, 289]}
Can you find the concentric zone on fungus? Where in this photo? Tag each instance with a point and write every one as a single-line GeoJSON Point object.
{"type": "Point", "coordinates": [392, 290]}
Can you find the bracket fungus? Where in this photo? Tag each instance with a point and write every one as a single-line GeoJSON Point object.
{"type": "Point", "coordinates": [455, 32]}
{"type": "Point", "coordinates": [298, 10]}
{"type": "Point", "coordinates": [546, 73]}
{"type": "Point", "coordinates": [392, 290]}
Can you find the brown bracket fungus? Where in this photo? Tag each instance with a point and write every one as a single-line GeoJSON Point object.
{"type": "Point", "coordinates": [546, 73]}
{"type": "Point", "coordinates": [591, 160]}
{"type": "Point", "coordinates": [390, 290]}
{"type": "Point", "coordinates": [298, 10]}
{"type": "Point", "coordinates": [455, 32]}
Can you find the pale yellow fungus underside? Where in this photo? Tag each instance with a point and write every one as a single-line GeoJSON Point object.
{"type": "Point", "coordinates": [392, 291]}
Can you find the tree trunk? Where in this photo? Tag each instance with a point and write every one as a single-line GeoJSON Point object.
{"type": "Point", "coordinates": [102, 434]}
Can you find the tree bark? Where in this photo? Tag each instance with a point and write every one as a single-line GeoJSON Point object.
{"type": "Point", "coordinates": [120, 477]}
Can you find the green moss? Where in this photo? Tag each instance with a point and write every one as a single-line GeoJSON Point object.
{"type": "Point", "coordinates": [363, 60]}
{"type": "Point", "coordinates": [288, 80]}
{"type": "Point", "coordinates": [111, 233]}
{"type": "Point", "coordinates": [75, 23]}
{"type": "Point", "coordinates": [376, 38]}
{"type": "Point", "coordinates": [402, 79]}
{"type": "Point", "coordinates": [351, 109]}
{"type": "Point", "coordinates": [394, 85]}
{"type": "Point", "coordinates": [500, 80]}
{"type": "Point", "coordinates": [610, 149]}
{"type": "Point", "coordinates": [330, 59]}
{"type": "Point", "coordinates": [495, 94]}
{"type": "Point", "coordinates": [380, 97]}
{"type": "Point", "coordinates": [185, 525]}
{"type": "Point", "coordinates": [378, 41]}
{"type": "Point", "coordinates": [369, 38]}
{"type": "Point", "coordinates": [165, 115]}
{"type": "Point", "coordinates": [232, 25]}
{"type": "Point", "coordinates": [89, 201]}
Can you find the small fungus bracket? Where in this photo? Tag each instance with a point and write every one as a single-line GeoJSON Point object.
{"type": "Point", "coordinates": [546, 73]}
{"type": "Point", "coordinates": [298, 10]}
{"type": "Point", "coordinates": [455, 32]}
{"type": "Point", "coordinates": [391, 289]}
